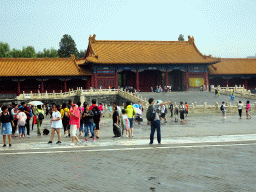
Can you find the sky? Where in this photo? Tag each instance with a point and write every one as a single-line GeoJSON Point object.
{"type": "Point", "coordinates": [221, 28]}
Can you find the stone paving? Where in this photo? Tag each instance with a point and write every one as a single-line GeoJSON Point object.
{"type": "Point", "coordinates": [206, 153]}
{"type": "Point", "coordinates": [194, 96]}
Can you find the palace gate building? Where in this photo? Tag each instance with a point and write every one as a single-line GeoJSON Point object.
{"type": "Point", "coordinates": [137, 64]}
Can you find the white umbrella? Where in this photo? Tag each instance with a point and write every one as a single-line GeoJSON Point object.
{"type": "Point", "coordinates": [138, 111]}
{"type": "Point", "coordinates": [35, 103]}
{"type": "Point", "coordinates": [158, 101]}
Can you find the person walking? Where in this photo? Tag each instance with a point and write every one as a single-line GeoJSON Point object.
{"type": "Point", "coordinates": [163, 111]}
{"type": "Point", "coordinates": [116, 123]}
{"type": "Point", "coordinates": [186, 109]}
{"type": "Point", "coordinates": [240, 108]}
{"type": "Point", "coordinates": [56, 124]}
{"type": "Point", "coordinates": [171, 109]}
{"type": "Point", "coordinates": [125, 123]}
{"type": "Point", "coordinates": [39, 112]}
{"type": "Point", "coordinates": [81, 109]}
{"type": "Point", "coordinates": [130, 111]}
{"type": "Point", "coordinates": [248, 108]}
{"type": "Point", "coordinates": [14, 113]}
{"type": "Point", "coordinates": [182, 111]}
{"type": "Point", "coordinates": [96, 118]}
{"type": "Point", "coordinates": [28, 112]}
{"type": "Point", "coordinates": [153, 117]}
{"type": "Point", "coordinates": [7, 123]}
{"type": "Point", "coordinates": [88, 122]}
{"type": "Point", "coordinates": [65, 119]}
{"type": "Point", "coordinates": [74, 123]}
{"type": "Point", "coordinates": [223, 110]}
{"type": "Point", "coordinates": [22, 117]}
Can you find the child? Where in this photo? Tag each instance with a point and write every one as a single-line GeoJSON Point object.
{"type": "Point", "coordinates": [223, 110]}
{"type": "Point", "coordinates": [248, 108]}
{"type": "Point", "coordinates": [22, 117]}
{"type": "Point", "coordinates": [186, 109]}
{"type": "Point", "coordinates": [56, 124]}
{"type": "Point", "coordinates": [125, 123]}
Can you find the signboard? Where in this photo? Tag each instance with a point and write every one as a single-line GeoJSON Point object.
{"type": "Point", "coordinates": [196, 82]}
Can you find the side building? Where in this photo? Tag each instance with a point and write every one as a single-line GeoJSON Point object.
{"type": "Point", "coordinates": [146, 64]}
{"type": "Point", "coordinates": [44, 74]}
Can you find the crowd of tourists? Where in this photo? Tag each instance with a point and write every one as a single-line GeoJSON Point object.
{"type": "Point", "coordinates": [86, 119]}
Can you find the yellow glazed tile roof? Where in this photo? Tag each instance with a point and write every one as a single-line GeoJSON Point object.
{"type": "Point", "coordinates": [40, 67]}
{"type": "Point", "coordinates": [233, 66]}
{"type": "Point", "coordinates": [145, 52]}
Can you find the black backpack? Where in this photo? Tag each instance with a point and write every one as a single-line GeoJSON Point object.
{"type": "Point", "coordinates": [221, 108]}
{"type": "Point", "coordinates": [96, 112]}
{"type": "Point", "coordinates": [40, 116]}
{"type": "Point", "coordinates": [150, 115]}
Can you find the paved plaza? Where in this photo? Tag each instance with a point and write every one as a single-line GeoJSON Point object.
{"type": "Point", "coordinates": [194, 96]}
{"type": "Point", "coordinates": [205, 153]}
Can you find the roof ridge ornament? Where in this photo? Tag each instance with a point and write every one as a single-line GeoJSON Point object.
{"type": "Point", "coordinates": [191, 39]}
{"type": "Point", "coordinates": [92, 39]}
{"type": "Point", "coordinates": [72, 56]}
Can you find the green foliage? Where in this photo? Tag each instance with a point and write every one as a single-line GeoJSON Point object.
{"type": "Point", "coordinates": [15, 53]}
{"type": "Point", "coordinates": [82, 53]}
{"type": "Point", "coordinates": [181, 37]}
{"type": "Point", "coordinates": [50, 53]}
{"type": "Point", "coordinates": [4, 49]}
{"type": "Point", "coordinates": [67, 47]}
{"type": "Point", "coordinates": [28, 52]}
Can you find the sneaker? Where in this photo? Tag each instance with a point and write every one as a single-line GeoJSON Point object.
{"type": "Point", "coordinates": [4, 145]}
{"type": "Point", "coordinates": [22, 136]}
{"type": "Point", "coordinates": [28, 135]}
{"type": "Point", "coordinates": [150, 143]}
{"type": "Point", "coordinates": [66, 135]}
{"type": "Point", "coordinates": [49, 142]}
{"type": "Point", "coordinates": [97, 137]}
{"type": "Point", "coordinates": [71, 144]}
{"type": "Point", "coordinates": [10, 145]}
{"type": "Point", "coordinates": [59, 142]}
{"type": "Point", "coordinates": [93, 139]}
{"type": "Point", "coordinates": [69, 135]}
{"type": "Point", "coordinates": [78, 142]}
{"type": "Point", "coordinates": [127, 136]}
{"type": "Point", "coordinates": [85, 140]}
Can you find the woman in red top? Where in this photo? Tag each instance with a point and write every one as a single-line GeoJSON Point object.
{"type": "Point", "coordinates": [74, 123]}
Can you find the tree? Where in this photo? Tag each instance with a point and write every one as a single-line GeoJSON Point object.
{"type": "Point", "coordinates": [28, 52]}
{"type": "Point", "coordinates": [82, 53]}
{"type": "Point", "coordinates": [15, 53]}
{"type": "Point", "coordinates": [181, 37]}
{"type": "Point", "coordinates": [4, 49]}
{"type": "Point", "coordinates": [50, 53]}
{"type": "Point", "coordinates": [67, 46]}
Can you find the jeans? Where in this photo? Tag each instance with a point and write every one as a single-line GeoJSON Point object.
{"type": "Point", "coordinates": [131, 122]}
{"type": "Point", "coordinates": [81, 126]}
{"type": "Point", "coordinates": [15, 126]}
{"type": "Point", "coordinates": [155, 125]}
{"type": "Point", "coordinates": [86, 127]}
{"type": "Point", "coordinates": [22, 129]}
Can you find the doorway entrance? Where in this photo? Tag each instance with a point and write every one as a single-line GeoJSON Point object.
{"type": "Point", "coordinates": [177, 80]}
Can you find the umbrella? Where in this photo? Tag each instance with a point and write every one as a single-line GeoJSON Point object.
{"type": "Point", "coordinates": [158, 101]}
{"type": "Point", "coordinates": [35, 103]}
{"type": "Point", "coordinates": [136, 106]}
{"type": "Point", "coordinates": [138, 111]}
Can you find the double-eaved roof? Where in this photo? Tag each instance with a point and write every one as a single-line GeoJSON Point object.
{"type": "Point", "coordinates": [233, 66]}
{"type": "Point", "coordinates": [145, 52]}
{"type": "Point", "coordinates": [20, 67]}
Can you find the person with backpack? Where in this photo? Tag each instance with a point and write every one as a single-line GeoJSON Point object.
{"type": "Point", "coordinates": [7, 123]}
{"type": "Point", "coordinates": [96, 117]}
{"type": "Point", "coordinates": [153, 117]}
{"type": "Point", "coordinates": [28, 112]}
{"type": "Point", "coordinates": [131, 112]}
{"type": "Point", "coordinates": [39, 120]}
{"type": "Point", "coordinates": [22, 117]}
{"type": "Point", "coordinates": [223, 110]}
{"type": "Point", "coordinates": [65, 119]}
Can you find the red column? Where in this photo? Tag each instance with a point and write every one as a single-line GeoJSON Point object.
{"type": "Point", "coordinates": [166, 78]}
{"type": "Point", "coordinates": [116, 80]}
{"type": "Point", "coordinates": [245, 83]}
{"type": "Point", "coordinates": [18, 88]}
{"type": "Point", "coordinates": [65, 85]}
{"type": "Point", "coordinates": [42, 86]}
{"type": "Point", "coordinates": [95, 80]}
{"type": "Point", "coordinates": [137, 81]}
{"type": "Point", "coordinates": [186, 80]}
